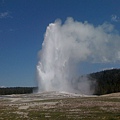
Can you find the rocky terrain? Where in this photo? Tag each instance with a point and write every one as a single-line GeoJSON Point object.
{"type": "Point", "coordinates": [59, 105]}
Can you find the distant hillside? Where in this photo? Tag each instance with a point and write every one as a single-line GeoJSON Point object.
{"type": "Point", "coordinates": [104, 82]}
{"type": "Point", "coordinates": [16, 90]}
{"type": "Point", "coordinates": [107, 81]}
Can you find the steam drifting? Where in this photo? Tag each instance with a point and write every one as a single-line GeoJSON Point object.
{"type": "Point", "coordinates": [66, 46]}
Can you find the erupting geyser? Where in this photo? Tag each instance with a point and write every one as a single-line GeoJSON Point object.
{"type": "Point", "coordinates": [66, 46]}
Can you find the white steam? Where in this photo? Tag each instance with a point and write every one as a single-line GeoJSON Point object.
{"type": "Point", "coordinates": [67, 45]}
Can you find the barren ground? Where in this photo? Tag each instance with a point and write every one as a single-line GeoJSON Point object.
{"type": "Point", "coordinates": [59, 106]}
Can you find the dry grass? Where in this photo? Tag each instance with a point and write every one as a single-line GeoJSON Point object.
{"type": "Point", "coordinates": [33, 107]}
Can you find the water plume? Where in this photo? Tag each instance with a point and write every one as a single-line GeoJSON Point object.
{"type": "Point", "coordinates": [66, 45]}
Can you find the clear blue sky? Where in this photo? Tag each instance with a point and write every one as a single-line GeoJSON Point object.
{"type": "Point", "coordinates": [23, 24]}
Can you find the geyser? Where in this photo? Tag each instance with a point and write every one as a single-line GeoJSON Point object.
{"type": "Point", "coordinates": [66, 46]}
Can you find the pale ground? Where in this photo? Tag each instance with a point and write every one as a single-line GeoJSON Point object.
{"type": "Point", "coordinates": [57, 106]}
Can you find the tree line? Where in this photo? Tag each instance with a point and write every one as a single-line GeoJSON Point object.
{"type": "Point", "coordinates": [107, 81]}
{"type": "Point", "coordinates": [16, 90]}
{"type": "Point", "coordinates": [103, 82]}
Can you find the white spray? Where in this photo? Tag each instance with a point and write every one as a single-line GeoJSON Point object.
{"type": "Point", "coordinates": [66, 46]}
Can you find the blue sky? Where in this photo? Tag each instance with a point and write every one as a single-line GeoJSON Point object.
{"type": "Point", "coordinates": [22, 27]}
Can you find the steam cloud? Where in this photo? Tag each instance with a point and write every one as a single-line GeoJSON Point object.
{"type": "Point", "coordinates": [66, 46]}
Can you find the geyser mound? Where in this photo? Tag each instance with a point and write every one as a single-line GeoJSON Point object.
{"type": "Point", "coordinates": [66, 46]}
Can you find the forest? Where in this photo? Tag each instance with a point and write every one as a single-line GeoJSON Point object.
{"type": "Point", "coordinates": [103, 82]}
{"type": "Point", "coordinates": [16, 90]}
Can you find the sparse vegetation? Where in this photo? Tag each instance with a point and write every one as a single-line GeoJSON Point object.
{"type": "Point", "coordinates": [80, 108]}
